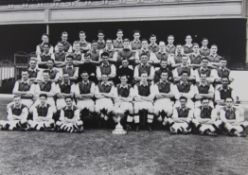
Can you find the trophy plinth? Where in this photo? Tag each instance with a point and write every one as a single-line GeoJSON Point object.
{"type": "Point", "coordinates": [118, 128]}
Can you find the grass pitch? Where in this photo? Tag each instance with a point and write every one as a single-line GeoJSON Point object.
{"type": "Point", "coordinates": [98, 152]}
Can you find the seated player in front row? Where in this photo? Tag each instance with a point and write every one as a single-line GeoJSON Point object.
{"type": "Point", "coordinates": [124, 99]}
{"type": "Point", "coordinates": [164, 92]}
{"type": "Point", "coordinates": [233, 119]}
{"type": "Point", "coordinates": [181, 118]}
{"type": "Point", "coordinates": [42, 115]}
{"type": "Point", "coordinates": [205, 118]}
{"type": "Point", "coordinates": [104, 93]}
{"type": "Point", "coordinates": [69, 119]}
{"type": "Point", "coordinates": [17, 115]}
{"type": "Point", "coordinates": [143, 103]}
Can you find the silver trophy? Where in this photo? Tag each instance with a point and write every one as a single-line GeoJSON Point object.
{"type": "Point", "coordinates": [118, 114]}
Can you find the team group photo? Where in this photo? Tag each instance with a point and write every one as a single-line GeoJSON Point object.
{"type": "Point", "coordinates": [119, 87]}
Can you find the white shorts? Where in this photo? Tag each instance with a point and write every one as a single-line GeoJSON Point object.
{"type": "Point", "coordinates": [45, 124]}
{"type": "Point", "coordinates": [104, 103]}
{"type": "Point", "coordinates": [87, 103]}
{"type": "Point", "coordinates": [163, 104]}
{"type": "Point", "coordinates": [125, 106]}
{"type": "Point", "coordinates": [143, 105]}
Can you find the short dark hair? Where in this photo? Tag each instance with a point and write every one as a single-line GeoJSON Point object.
{"type": "Point", "coordinates": [70, 97]}
{"type": "Point", "coordinates": [105, 54]}
{"type": "Point", "coordinates": [43, 95]}
{"type": "Point", "coordinates": [183, 98]}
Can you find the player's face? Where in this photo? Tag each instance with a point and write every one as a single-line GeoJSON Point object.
{"type": "Point", "coordinates": [17, 101]}
{"type": "Point", "coordinates": [229, 102]}
{"type": "Point", "coordinates": [76, 47]}
{"type": "Point", "coordinates": [69, 61]}
{"type": "Point", "coordinates": [66, 77]}
{"type": "Point", "coordinates": [43, 100]}
{"type": "Point", "coordinates": [205, 42]}
{"type": "Point", "coordinates": [223, 63]}
{"type": "Point", "coordinates": [82, 36]}
{"type": "Point", "coordinates": [153, 39]}
{"type": "Point", "coordinates": [104, 59]}
{"type": "Point", "coordinates": [195, 48]}
{"type": "Point", "coordinates": [203, 78]}
{"type": "Point", "coordinates": [225, 81]}
{"type": "Point", "coordinates": [184, 60]}
{"type": "Point", "coordinates": [25, 76]}
{"type": "Point", "coordinates": [183, 102]}
{"type": "Point", "coordinates": [179, 48]}
{"type": "Point", "coordinates": [184, 77]}
{"type": "Point", "coordinates": [104, 78]}
{"type": "Point", "coordinates": [204, 63]}
{"type": "Point", "coordinates": [46, 48]}
{"type": "Point", "coordinates": [45, 39]}
{"type": "Point", "coordinates": [68, 102]}
{"type": "Point", "coordinates": [46, 77]}
{"type": "Point", "coordinates": [164, 76]}
{"type": "Point", "coordinates": [109, 43]}
{"type": "Point", "coordinates": [50, 64]}
{"type": "Point", "coordinates": [163, 64]}
{"type": "Point", "coordinates": [123, 80]}
{"type": "Point", "coordinates": [162, 46]}
{"type": "Point", "coordinates": [87, 59]}
{"type": "Point", "coordinates": [144, 44]}
{"type": "Point", "coordinates": [94, 46]}
{"type": "Point", "coordinates": [60, 47]}
{"type": "Point", "coordinates": [126, 45]}
{"type": "Point", "coordinates": [136, 36]}
{"type": "Point", "coordinates": [100, 36]}
{"type": "Point", "coordinates": [125, 63]}
{"type": "Point", "coordinates": [144, 77]}
{"type": "Point", "coordinates": [188, 39]}
{"type": "Point", "coordinates": [144, 59]}
{"type": "Point", "coordinates": [32, 64]}
{"type": "Point", "coordinates": [119, 34]}
{"type": "Point", "coordinates": [85, 76]}
{"type": "Point", "coordinates": [214, 49]}
{"type": "Point", "coordinates": [205, 103]}
{"type": "Point", "coordinates": [64, 37]}
{"type": "Point", "coordinates": [170, 40]}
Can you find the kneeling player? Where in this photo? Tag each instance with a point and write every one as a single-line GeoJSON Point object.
{"type": "Point", "coordinates": [233, 119]}
{"type": "Point", "coordinates": [124, 100]}
{"type": "Point", "coordinates": [42, 115]}
{"type": "Point", "coordinates": [181, 118]}
{"type": "Point", "coordinates": [205, 120]}
{"type": "Point", "coordinates": [17, 115]}
{"type": "Point", "coordinates": [143, 107]}
{"type": "Point", "coordinates": [164, 92]}
{"type": "Point", "coordinates": [69, 119]}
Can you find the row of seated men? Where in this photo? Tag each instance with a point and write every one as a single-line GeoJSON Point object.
{"type": "Point", "coordinates": [145, 103]}
{"type": "Point", "coordinates": [120, 49]}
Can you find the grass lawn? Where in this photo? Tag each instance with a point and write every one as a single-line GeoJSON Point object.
{"type": "Point", "coordinates": [138, 153]}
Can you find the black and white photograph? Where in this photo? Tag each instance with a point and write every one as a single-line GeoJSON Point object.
{"type": "Point", "coordinates": [123, 87]}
